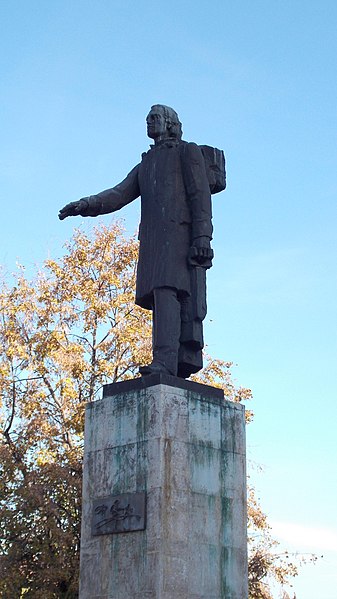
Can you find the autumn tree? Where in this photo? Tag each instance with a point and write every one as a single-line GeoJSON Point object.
{"type": "Point", "coordinates": [64, 334]}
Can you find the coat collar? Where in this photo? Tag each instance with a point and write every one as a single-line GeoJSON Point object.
{"type": "Point", "coordinates": [169, 142]}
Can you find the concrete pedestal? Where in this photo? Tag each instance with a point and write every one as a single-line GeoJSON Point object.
{"type": "Point", "coordinates": [179, 447]}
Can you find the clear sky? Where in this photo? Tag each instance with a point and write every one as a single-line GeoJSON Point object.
{"type": "Point", "coordinates": [259, 80]}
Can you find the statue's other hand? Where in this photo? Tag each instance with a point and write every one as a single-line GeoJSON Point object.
{"type": "Point", "coordinates": [74, 209]}
{"type": "Point", "coordinates": [201, 253]}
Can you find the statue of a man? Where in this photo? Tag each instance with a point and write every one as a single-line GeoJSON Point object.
{"type": "Point", "coordinates": [174, 180]}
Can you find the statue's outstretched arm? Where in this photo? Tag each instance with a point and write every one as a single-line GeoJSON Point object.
{"type": "Point", "coordinates": [107, 201]}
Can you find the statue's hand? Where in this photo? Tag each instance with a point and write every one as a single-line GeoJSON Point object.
{"type": "Point", "coordinates": [201, 253]}
{"type": "Point", "coordinates": [74, 209]}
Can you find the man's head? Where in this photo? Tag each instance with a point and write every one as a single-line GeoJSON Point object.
{"type": "Point", "coordinates": [162, 121]}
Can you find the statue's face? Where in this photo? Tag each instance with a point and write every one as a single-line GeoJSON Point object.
{"type": "Point", "coordinates": [156, 123]}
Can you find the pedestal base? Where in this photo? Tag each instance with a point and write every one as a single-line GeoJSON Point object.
{"type": "Point", "coordinates": [180, 448]}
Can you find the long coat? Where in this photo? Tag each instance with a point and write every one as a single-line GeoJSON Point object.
{"type": "Point", "coordinates": [175, 209]}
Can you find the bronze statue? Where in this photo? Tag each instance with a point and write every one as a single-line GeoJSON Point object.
{"type": "Point", "coordinates": [175, 180]}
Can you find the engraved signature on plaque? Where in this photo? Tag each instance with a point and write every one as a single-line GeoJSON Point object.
{"type": "Point", "coordinates": [118, 513]}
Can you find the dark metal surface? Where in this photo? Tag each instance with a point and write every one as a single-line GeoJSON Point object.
{"type": "Point", "coordinates": [162, 379]}
{"type": "Point", "coordinates": [175, 180]}
{"type": "Point", "coordinates": [119, 513]}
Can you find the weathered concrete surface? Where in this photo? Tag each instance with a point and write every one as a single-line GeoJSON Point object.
{"type": "Point", "coordinates": [186, 450]}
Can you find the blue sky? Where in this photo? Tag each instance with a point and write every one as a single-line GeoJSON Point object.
{"type": "Point", "coordinates": [257, 79]}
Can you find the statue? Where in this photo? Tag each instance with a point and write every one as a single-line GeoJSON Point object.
{"type": "Point", "coordinates": [175, 180]}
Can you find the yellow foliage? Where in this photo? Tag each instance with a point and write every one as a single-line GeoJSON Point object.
{"type": "Point", "coordinates": [62, 336]}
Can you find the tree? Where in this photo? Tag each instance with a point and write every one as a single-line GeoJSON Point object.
{"type": "Point", "coordinates": [266, 563]}
{"type": "Point", "coordinates": [63, 335]}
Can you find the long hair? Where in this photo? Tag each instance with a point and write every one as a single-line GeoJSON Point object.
{"type": "Point", "coordinates": [171, 117]}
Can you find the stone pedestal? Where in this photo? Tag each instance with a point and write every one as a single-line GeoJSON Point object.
{"type": "Point", "coordinates": [178, 449]}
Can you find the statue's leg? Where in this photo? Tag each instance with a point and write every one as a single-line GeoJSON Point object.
{"type": "Point", "coordinates": [193, 311]}
{"type": "Point", "coordinates": [165, 332]}
{"type": "Point", "coordinates": [189, 361]}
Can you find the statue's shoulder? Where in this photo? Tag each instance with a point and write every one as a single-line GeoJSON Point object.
{"type": "Point", "coordinates": [189, 150]}
{"type": "Point", "coordinates": [189, 146]}
{"type": "Point", "coordinates": [214, 160]}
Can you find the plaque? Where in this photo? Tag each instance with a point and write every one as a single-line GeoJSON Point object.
{"type": "Point", "coordinates": [119, 513]}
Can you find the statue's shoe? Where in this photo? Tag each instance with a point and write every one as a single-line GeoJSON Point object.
{"type": "Point", "coordinates": [153, 368]}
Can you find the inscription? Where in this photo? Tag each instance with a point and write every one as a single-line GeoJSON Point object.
{"type": "Point", "coordinates": [119, 513]}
